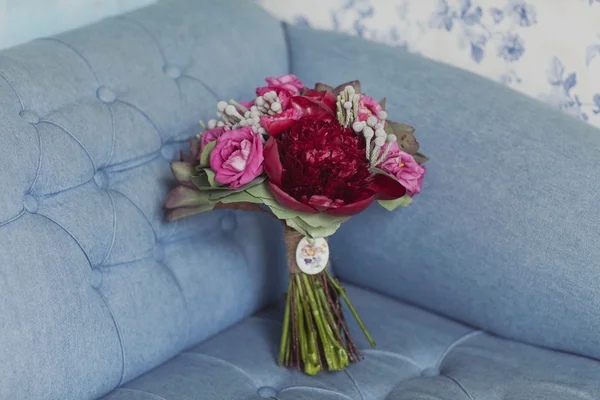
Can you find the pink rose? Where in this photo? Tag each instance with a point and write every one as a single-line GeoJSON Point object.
{"type": "Point", "coordinates": [285, 86]}
{"type": "Point", "coordinates": [368, 106]}
{"type": "Point", "coordinates": [237, 157]}
{"type": "Point", "coordinates": [211, 135]}
{"type": "Point", "coordinates": [288, 83]}
{"type": "Point", "coordinates": [275, 124]}
{"type": "Point", "coordinates": [247, 104]}
{"type": "Point", "coordinates": [404, 167]}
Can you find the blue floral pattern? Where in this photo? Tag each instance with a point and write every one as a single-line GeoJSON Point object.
{"type": "Point", "coordinates": [516, 42]}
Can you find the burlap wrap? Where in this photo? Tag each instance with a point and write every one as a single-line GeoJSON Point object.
{"type": "Point", "coordinates": [292, 238]}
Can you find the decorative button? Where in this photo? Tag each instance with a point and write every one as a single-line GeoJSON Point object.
{"type": "Point", "coordinates": [312, 256]}
{"type": "Point", "coordinates": [30, 203]}
{"type": "Point", "coordinates": [168, 152]}
{"type": "Point", "coordinates": [30, 116]}
{"type": "Point", "coordinates": [96, 278]}
{"type": "Point", "coordinates": [101, 179]}
{"type": "Point", "coordinates": [267, 392]}
{"type": "Point", "coordinates": [159, 253]}
{"type": "Point", "coordinates": [106, 95]}
{"type": "Point", "coordinates": [429, 372]}
{"type": "Point", "coordinates": [172, 71]}
{"type": "Point", "coordinates": [228, 222]}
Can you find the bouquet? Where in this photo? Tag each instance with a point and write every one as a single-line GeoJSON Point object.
{"type": "Point", "coordinates": [311, 158]}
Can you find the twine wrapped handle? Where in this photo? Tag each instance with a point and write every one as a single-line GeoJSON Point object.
{"type": "Point", "coordinates": [292, 238]}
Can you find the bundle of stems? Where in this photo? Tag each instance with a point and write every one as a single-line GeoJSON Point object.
{"type": "Point", "coordinates": [315, 335]}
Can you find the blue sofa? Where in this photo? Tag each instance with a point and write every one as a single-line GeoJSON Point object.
{"type": "Point", "coordinates": [486, 288]}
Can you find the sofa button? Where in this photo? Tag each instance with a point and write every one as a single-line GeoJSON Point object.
{"type": "Point", "coordinates": [172, 71]}
{"type": "Point", "coordinates": [228, 222]}
{"type": "Point", "coordinates": [101, 179]}
{"type": "Point", "coordinates": [30, 203]}
{"type": "Point", "coordinates": [429, 372]}
{"type": "Point", "coordinates": [30, 116]}
{"type": "Point", "coordinates": [106, 95]}
{"type": "Point", "coordinates": [267, 392]}
{"type": "Point", "coordinates": [96, 279]}
{"type": "Point", "coordinates": [159, 253]}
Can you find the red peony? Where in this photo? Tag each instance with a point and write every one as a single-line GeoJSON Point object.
{"type": "Point", "coordinates": [317, 165]}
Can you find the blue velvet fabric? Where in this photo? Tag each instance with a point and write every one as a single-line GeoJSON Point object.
{"type": "Point", "coordinates": [505, 234]}
{"type": "Point", "coordinates": [95, 286]}
{"type": "Point", "coordinates": [419, 356]}
{"type": "Point", "coordinates": [100, 296]}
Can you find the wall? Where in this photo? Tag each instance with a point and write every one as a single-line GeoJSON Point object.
{"type": "Point", "coordinates": [24, 20]}
{"type": "Point", "coordinates": [548, 49]}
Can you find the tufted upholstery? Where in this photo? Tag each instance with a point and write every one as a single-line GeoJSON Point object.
{"type": "Point", "coordinates": [419, 356]}
{"type": "Point", "coordinates": [99, 296]}
{"type": "Point", "coordinates": [95, 287]}
{"type": "Point", "coordinates": [505, 233]}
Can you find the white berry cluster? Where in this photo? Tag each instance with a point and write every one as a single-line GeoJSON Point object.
{"type": "Point", "coordinates": [374, 127]}
{"type": "Point", "coordinates": [235, 116]}
{"type": "Point", "coordinates": [347, 106]}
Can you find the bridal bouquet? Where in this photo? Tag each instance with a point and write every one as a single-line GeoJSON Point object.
{"type": "Point", "coordinates": [311, 158]}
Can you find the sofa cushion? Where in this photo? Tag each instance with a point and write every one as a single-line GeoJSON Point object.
{"type": "Point", "coordinates": [95, 287]}
{"type": "Point", "coordinates": [419, 356]}
{"type": "Point", "coordinates": [505, 233]}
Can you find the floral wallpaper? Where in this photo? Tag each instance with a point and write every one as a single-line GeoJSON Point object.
{"type": "Point", "coordinates": [548, 49]}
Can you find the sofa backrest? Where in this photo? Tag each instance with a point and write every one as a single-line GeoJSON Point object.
{"type": "Point", "coordinates": [506, 233]}
{"type": "Point", "coordinates": [95, 287]}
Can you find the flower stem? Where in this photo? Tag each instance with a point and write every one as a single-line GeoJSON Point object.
{"type": "Point", "coordinates": [312, 363]}
{"type": "Point", "coordinates": [324, 307]}
{"type": "Point", "coordinates": [342, 292]}
{"type": "Point", "coordinates": [328, 349]}
{"type": "Point", "coordinates": [300, 322]}
{"type": "Point", "coordinates": [294, 310]}
{"type": "Point", "coordinates": [283, 348]}
{"type": "Point", "coordinates": [238, 106]}
{"type": "Point", "coordinates": [329, 324]}
{"type": "Point", "coordinates": [288, 351]}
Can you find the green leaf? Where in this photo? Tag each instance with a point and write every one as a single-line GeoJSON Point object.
{"type": "Point", "coordinates": [391, 205]}
{"type": "Point", "coordinates": [182, 171]}
{"type": "Point", "coordinates": [323, 87]}
{"type": "Point", "coordinates": [420, 158]}
{"type": "Point", "coordinates": [382, 172]}
{"type": "Point", "coordinates": [383, 103]}
{"type": "Point", "coordinates": [205, 155]}
{"type": "Point", "coordinates": [311, 231]}
{"type": "Point", "coordinates": [311, 225]}
{"type": "Point", "coordinates": [183, 196]}
{"type": "Point", "coordinates": [210, 175]}
{"type": "Point", "coordinates": [316, 223]}
{"type": "Point", "coordinates": [340, 88]}
{"type": "Point", "coordinates": [227, 192]}
{"type": "Point", "coordinates": [281, 212]}
{"type": "Point", "coordinates": [205, 180]}
{"type": "Point", "coordinates": [388, 129]}
{"type": "Point", "coordinates": [240, 197]}
{"type": "Point", "coordinates": [178, 213]}
{"type": "Point", "coordinates": [202, 182]}
{"type": "Point", "coordinates": [405, 135]}
{"type": "Point", "coordinates": [294, 225]}
{"type": "Point", "coordinates": [401, 128]}
{"type": "Point", "coordinates": [261, 191]}
{"type": "Point", "coordinates": [322, 220]}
